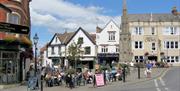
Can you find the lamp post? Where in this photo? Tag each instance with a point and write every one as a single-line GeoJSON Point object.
{"type": "Point", "coordinates": [35, 39]}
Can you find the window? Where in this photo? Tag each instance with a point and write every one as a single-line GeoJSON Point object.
{"type": "Point", "coordinates": [80, 40]}
{"type": "Point", "coordinates": [138, 30]}
{"type": "Point", "coordinates": [138, 45]}
{"type": "Point", "coordinates": [56, 39]}
{"type": "Point", "coordinates": [59, 50]}
{"type": "Point", "coordinates": [138, 58]}
{"type": "Point", "coordinates": [172, 59]}
{"type": "Point", "coordinates": [176, 44]}
{"type": "Point", "coordinates": [177, 59]}
{"type": "Point", "coordinates": [173, 30]}
{"type": "Point", "coordinates": [117, 49]}
{"type": "Point", "coordinates": [14, 18]}
{"type": "Point", "coordinates": [171, 44]}
{"type": "Point", "coordinates": [52, 50]}
{"type": "Point", "coordinates": [153, 46]}
{"type": "Point", "coordinates": [152, 30]}
{"type": "Point", "coordinates": [104, 49]}
{"type": "Point", "coordinates": [87, 50]}
{"type": "Point", "coordinates": [111, 35]}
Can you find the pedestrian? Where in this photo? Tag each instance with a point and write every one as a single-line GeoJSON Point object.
{"type": "Point", "coordinates": [148, 69]}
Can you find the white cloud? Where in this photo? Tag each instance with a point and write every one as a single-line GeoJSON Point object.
{"type": "Point", "coordinates": [58, 15]}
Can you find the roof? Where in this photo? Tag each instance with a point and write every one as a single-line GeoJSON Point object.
{"type": "Point", "coordinates": [86, 33]}
{"type": "Point", "coordinates": [98, 29]}
{"type": "Point", "coordinates": [44, 48]}
{"type": "Point", "coordinates": [153, 17]}
{"type": "Point", "coordinates": [65, 37]}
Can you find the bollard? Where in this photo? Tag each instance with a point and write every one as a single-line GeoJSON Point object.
{"type": "Point", "coordinates": [124, 74]}
{"type": "Point", "coordinates": [42, 82]}
{"type": "Point", "coordinates": [138, 71]}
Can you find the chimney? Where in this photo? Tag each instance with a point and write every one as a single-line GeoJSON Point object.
{"type": "Point", "coordinates": [98, 29]}
{"type": "Point", "coordinates": [174, 11]}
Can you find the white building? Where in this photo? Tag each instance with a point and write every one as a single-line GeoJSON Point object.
{"type": "Point", "coordinates": [57, 49]}
{"type": "Point", "coordinates": [43, 57]}
{"type": "Point", "coordinates": [107, 40]}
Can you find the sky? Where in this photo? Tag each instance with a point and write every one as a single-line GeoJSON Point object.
{"type": "Point", "coordinates": [57, 16]}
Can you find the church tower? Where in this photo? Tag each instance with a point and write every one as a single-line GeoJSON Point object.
{"type": "Point", "coordinates": [125, 53]}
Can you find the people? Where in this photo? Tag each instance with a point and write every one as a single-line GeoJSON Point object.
{"type": "Point", "coordinates": [148, 69]}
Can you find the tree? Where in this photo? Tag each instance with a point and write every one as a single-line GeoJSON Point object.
{"type": "Point", "coordinates": [74, 51]}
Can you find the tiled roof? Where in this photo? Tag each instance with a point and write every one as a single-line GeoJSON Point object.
{"type": "Point", "coordinates": [98, 29]}
{"type": "Point", "coordinates": [65, 37]}
{"type": "Point", "coordinates": [154, 17]}
{"type": "Point", "coordinates": [93, 37]}
{"type": "Point", "coordinates": [43, 48]}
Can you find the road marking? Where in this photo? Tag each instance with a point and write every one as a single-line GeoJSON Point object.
{"type": "Point", "coordinates": [162, 82]}
{"type": "Point", "coordinates": [155, 82]}
{"type": "Point", "coordinates": [158, 89]}
{"type": "Point", "coordinates": [166, 89]}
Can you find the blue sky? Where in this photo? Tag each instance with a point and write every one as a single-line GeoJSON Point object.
{"type": "Point", "coordinates": [56, 16]}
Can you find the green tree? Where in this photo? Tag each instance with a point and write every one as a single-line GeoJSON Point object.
{"type": "Point", "coordinates": [74, 51]}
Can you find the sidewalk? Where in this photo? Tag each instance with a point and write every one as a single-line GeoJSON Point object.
{"type": "Point", "coordinates": [130, 79]}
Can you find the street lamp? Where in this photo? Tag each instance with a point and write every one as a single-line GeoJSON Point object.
{"type": "Point", "coordinates": [35, 39]}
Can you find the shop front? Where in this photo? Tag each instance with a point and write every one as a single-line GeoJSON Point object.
{"type": "Point", "coordinates": [9, 67]}
{"type": "Point", "coordinates": [108, 58]}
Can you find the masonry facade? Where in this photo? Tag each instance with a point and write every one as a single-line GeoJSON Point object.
{"type": "Point", "coordinates": [15, 48]}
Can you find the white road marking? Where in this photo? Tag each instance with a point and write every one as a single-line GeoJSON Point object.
{"type": "Point", "coordinates": [166, 89]}
{"type": "Point", "coordinates": [155, 82]}
{"type": "Point", "coordinates": [162, 82]}
{"type": "Point", "coordinates": [158, 89]}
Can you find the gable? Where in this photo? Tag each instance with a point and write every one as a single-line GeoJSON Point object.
{"type": "Point", "coordinates": [81, 33]}
{"type": "Point", "coordinates": [55, 40]}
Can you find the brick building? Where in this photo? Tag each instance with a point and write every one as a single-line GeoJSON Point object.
{"type": "Point", "coordinates": [15, 43]}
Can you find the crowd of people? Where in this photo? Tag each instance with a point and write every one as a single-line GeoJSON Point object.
{"type": "Point", "coordinates": [56, 77]}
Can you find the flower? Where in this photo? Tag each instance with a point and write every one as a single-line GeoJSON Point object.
{"type": "Point", "coordinates": [146, 53]}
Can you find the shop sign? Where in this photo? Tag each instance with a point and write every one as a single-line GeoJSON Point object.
{"type": "Point", "coordinates": [99, 79]}
{"type": "Point", "coordinates": [13, 28]}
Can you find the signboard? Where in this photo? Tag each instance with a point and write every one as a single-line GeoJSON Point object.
{"type": "Point", "coordinates": [99, 79]}
{"type": "Point", "coordinates": [32, 82]}
{"type": "Point", "coordinates": [108, 54]}
{"type": "Point", "coordinates": [13, 28]}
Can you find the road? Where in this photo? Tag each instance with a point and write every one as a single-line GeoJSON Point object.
{"type": "Point", "coordinates": [167, 82]}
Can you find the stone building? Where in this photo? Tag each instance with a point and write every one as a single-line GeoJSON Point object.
{"type": "Point", "coordinates": [152, 36]}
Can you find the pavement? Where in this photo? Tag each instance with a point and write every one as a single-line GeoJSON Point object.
{"type": "Point", "coordinates": [132, 78]}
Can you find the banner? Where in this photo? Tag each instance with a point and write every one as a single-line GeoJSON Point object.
{"type": "Point", "coordinates": [99, 79]}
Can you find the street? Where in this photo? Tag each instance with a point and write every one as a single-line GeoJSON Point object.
{"type": "Point", "coordinates": [169, 81]}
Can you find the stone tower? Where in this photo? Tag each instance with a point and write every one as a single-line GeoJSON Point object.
{"type": "Point", "coordinates": [125, 53]}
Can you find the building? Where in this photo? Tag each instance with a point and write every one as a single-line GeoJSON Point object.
{"type": "Point", "coordinates": [58, 49]}
{"type": "Point", "coordinates": [153, 36]}
{"type": "Point", "coordinates": [45, 61]}
{"type": "Point", "coordinates": [107, 40]}
{"type": "Point", "coordinates": [15, 44]}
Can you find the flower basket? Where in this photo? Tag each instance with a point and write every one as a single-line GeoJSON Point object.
{"type": "Point", "coordinates": [10, 38]}
{"type": "Point", "coordinates": [146, 54]}
{"type": "Point", "coordinates": [26, 41]}
{"type": "Point", "coordinates": [162, 53]}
